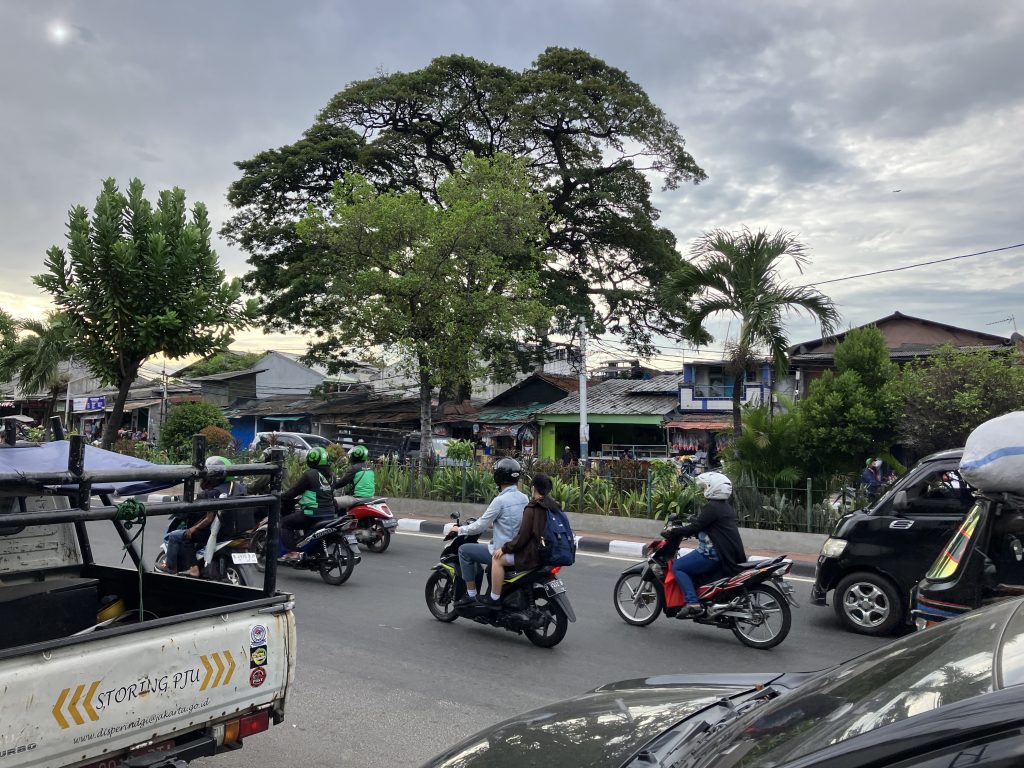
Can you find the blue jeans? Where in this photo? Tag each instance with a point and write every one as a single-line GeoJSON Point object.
{"type": "Point", "coordinates": [687, 566]}
{"type": "Point", "coordinates": [179, 551]}
{"type": "Point", "coordinates": [471, 558]}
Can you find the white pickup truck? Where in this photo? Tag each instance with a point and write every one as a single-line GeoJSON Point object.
{"type": "Point", "coordinates": [108, 666]}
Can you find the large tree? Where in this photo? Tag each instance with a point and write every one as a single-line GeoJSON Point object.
{"type": "Point", "coordinates": [39, 357]}
{"type": "Point", "coordinates": [737, 273]}
{"type": "Point", "coordinates": [136, 281]}
{"type": "Point", "coordinates": [426, 280]}
{"type": "Point", "coordinates": [589, 134]}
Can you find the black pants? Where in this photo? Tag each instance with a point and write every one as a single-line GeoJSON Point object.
{"type": "Point", "coordinates": [290, 526]}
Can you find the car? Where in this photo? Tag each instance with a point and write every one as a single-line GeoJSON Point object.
{"type": "Point", "coordinates": [949, 696]}
{"type": "Point", "coordinates": [299, 442]}
{"type": "Point", "coordinates": [875, 556]}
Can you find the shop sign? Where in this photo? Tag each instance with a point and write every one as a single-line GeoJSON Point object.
{"type": "Point", "coordinates": [90, 403]}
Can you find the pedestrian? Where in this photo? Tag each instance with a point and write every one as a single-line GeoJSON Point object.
{"type": "Point", "coordinates": [567, 457]}
{"type": "Point", "coordinates": [869, 479]}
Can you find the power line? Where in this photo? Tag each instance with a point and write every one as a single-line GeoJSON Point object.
{"type": "Point", "coordinates": [913, 266]}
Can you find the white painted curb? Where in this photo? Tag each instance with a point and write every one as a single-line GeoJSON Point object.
{"type": "Point", "coordinates": [409, 524]}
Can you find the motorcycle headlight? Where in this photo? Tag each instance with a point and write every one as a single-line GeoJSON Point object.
{"type": "Point", "coordinates": [833, 547]}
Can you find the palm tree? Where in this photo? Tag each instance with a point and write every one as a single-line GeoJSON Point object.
{"type": "Point", "coordinates": [38, 358]}
{"type": "Point", "coordinates": [738, 273]}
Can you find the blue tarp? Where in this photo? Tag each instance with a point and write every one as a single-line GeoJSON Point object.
{"type": "Point", "coordinates": [53, 457]}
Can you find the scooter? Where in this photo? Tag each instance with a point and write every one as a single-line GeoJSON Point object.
{"type": "Point", "coordinates": [329, 547]}
{"type": "Point", "coordinates": [753, 603]}
{"type": "Point", "coordinates": [374, 521]}
{"type": "Point", "coordinates": [229, 560]}
{"type": "Point", "coordinates": [533, 602]}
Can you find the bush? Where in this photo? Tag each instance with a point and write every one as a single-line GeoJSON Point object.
{"type": "Point", "coordinates": [185, 420]}
{"type": "Point", "coordinates": [217, 440]}
{"type": "Point", "coordinates": [460, 450]}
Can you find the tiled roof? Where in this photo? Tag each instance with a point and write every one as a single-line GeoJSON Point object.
{"type": "Point", "coordinates": [616, 397]}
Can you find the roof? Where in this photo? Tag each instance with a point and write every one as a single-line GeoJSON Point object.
{"type": "Point", "coordinates": [274, 406]}
{"type": "Point", "coordinates": [701, 421]}
{"type": "Point", "coordinates": [565, 383]}
{"type": "Point", "coordinates": [666, 384]}
{"type": "Point", "coordinates": [905, 353]}
{"type": "Point", "coordinates": [512, 414]}
{"type": "Point", "coordinates": [228, 375]}
{"type": "Point", "coordinates": [808, 345]}
{"type": "Point", "coordinates": [616, 397]}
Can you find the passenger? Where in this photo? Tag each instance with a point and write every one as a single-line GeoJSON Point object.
{"type": "Point", "coordinates": [523, 550]}
{"type": "Point", "coordinates": [505, 513]}
{"type": "Point", "coordinates": [360, 478]}
{"type": "Point", "coordinates": [315, 498]}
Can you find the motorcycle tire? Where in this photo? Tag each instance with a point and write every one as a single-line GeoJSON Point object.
{"type": "Point", "coordinates": [553, 631]}
{"type": "Point", "coordinates": [440, 595]}
{"type": "Point", "coordinates": [258, 544]}
{"type": "Point", "coordinates": [339, 550]}
{"type": "Point", "coordinates": [381, 537]}
{"type": "Point", "coordinates": [651, 598]}
{"type": "Point", "coordinates": [776, 618]}
{"type": "Point", "coordinates": [243, 575]}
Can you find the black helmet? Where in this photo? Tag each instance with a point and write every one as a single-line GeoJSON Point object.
{"type": "Point", "coordinates": [507, 472]}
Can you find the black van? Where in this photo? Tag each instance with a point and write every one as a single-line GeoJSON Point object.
{"type": "Point", "coordinates": [982, 562]}
{"type": "Point", "coordinates": [875, 556]}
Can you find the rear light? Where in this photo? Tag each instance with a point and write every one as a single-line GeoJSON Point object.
{"type": "Point", "coordinates": [231, 732]}
{"type": "Point", "coordinates": [784, 569]}
{"type": "Point", "coordinates": [556, 569]}
{"type": "Point", "coordinates": [254, 723]}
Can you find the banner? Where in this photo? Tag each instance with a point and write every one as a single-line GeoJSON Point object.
{"type": "Point", "coordinates": [90, 403]}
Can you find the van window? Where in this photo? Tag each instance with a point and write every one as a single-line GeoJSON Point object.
{"type": "Point", "coordinates": [946, 564]}
{"type": "Point", "coordinates": [941, 491]}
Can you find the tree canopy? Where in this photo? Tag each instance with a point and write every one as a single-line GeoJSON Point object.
{"type": "Point", "coordinates": [136, 281]}
{"type": "Point", "coordinates": [223, 361]}
{"type": "Point", "coordinates": [187, 419]}
{"type": "Point", "coordinates": [587, 132]}
{"type": "Point", "coordinates": [38, 357]}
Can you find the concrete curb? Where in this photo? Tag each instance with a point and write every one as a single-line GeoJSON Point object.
{"type": "Point", "coordinates": [586, 543]}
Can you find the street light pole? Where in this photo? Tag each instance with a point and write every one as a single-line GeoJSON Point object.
{"type": "Point", "coordinates": [584, 426]}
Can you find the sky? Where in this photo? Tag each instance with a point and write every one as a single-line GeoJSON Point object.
{"type": "Point", "coordinates": [883, 134]}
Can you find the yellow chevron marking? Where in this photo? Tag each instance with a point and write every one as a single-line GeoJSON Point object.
{"type": "Point", "coordinates": [86, 702]}
{"type": "Point", "coordinates": [57, 714]}
{"type": "Point", "coordinates": [209, 673]}
{"type": "Point", "coordinates": [231, 667]}
{"type": "Point", "coordinates": [220, 670]}
{"type": "Point", "coordinates": [72, 707]}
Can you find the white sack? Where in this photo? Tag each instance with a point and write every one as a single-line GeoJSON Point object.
{"type": "Point", "coordinates": [993, 459]}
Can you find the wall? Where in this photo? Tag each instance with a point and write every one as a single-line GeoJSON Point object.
{"type": "Point", "coordinates": [284, 377]}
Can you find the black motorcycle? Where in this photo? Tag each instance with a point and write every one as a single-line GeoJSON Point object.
{"type": "Point", "coordinates": [533, 601]}
{"type": "Point", "coordinates": [328, 547]}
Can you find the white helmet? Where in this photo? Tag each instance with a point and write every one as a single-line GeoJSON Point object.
{"type": "Point", "coordinates": [715, 485]}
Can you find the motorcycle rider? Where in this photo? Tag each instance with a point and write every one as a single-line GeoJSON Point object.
{"type": "Point", "coordinates": [184, 542]}
{"type": "Point", "coordinates": [359, 477]}
{"type": "Point", "coordinates": [315, 498]}
{"type": "Point", "coordinates": [719, 546]}
{"type": "Point", "coordinates": [523, 550]}
{"type": "Point", "coordinates": [505, 513]}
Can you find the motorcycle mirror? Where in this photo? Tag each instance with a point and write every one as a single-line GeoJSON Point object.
{"type": "Point", "coordinates": [1018, 549]}
{"type": "Point", "coordinates": [454, 515]}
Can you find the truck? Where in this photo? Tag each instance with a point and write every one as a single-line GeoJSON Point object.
{"type": "Point", "coordinates": [104, 666]}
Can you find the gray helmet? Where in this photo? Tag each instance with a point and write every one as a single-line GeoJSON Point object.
{"type": "Point", "coordinates": [507, 472]}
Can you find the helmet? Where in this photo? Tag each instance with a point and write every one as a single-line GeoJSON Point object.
{"type": "Point", "coordinates": [317, 457]}
{"type": "Point", "coordinates": [213, 462]}
{"type": "Point", "coordinates": [359, 453]}
{"type": "Point", "coordinates": [715, 485]}
{"type": "Point", "coordinates": [507, 472]}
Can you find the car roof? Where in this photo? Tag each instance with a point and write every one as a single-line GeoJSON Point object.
{"type": "Point", "coordinates": [949, 453]}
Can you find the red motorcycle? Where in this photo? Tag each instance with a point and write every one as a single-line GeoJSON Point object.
{"type": "Point", "coordinates": [753, 603]}
{"type": "Point", "coordinates": [374, 521]}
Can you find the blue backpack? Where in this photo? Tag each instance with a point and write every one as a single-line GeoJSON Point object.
{"type": "Point", "coordinates": [559, 544]}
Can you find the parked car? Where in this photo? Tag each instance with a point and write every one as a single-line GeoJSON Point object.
{"type": "Point", "coordinates": [950, 696]}
{"type": "Point", "coordinates": [299, 442]}
{"type": "Point", "coordinates": [876, 555]}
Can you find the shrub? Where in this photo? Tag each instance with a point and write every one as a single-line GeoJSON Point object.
{"type": "Point", "coordinates": [185, 420]}
{"type": "Point", "coordinates": [460, 450]}
{"type": "Point", "coordinates": [218, 440]}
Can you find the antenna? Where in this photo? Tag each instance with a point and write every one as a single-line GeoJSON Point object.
{"type": "Point", "coordinates": [1010, 319]}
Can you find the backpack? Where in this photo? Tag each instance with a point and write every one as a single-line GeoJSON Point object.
{"type": "Point", "coordinates": [558, 546]}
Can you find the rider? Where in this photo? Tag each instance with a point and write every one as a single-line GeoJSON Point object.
{"type": "Point", "coordinates": [505, 513]}
{"type": "Point", "coordinates": [719, 545]}
{"type": "Point", "coordinates": [523, 550]}
{"type": "Point", "coordinates": [359, 477]}
{"type": "Point", "coordinates": [315, 498]}
{"type": "Point", "coordinates": [181, 555]}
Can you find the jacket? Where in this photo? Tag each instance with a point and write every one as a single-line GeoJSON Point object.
{"type": "Point", "coordinates": [505, 513]}
{"type": "Point", "coordinates": [362, 479]}
{"type": "Point", "coordinates": [525, 545]}
{"type": "Point", "coordinates": [718, 520]}
{"type": "Point", "coordinates": [313, 492]}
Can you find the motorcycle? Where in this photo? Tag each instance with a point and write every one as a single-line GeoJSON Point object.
{"type": "Point", "coordinates": [754, 603]}
{"type": "Point", "coordinates": [374, 521]}
{"type": "Point", "coordinates": [533, 602]}
{"type": "Point", "coordinates": [230, 560]}
{"type": "Point", "coordinates": [329, 547]}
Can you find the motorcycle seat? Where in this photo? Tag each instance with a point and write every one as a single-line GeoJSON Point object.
{"type": "Point", "coordinates": [760, 563]}
{"type": "Point", "coordinates": [319, 522]}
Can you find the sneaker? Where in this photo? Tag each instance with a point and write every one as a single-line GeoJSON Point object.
{"type": "Point", "coordinates": [691, 611]}
{"type": "Point", "coordinates": [466, 602]}
{"type": "Point", "coordinates": [489, 602]}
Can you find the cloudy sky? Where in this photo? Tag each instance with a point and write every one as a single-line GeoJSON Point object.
{"type": "Point", "coordinates": [883, 133]}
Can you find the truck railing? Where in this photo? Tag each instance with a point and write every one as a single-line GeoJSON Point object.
{"type": "Point", "coordinates": [83, 482]}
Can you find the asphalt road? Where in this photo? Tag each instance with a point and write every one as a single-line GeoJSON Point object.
{"type": "Point", "coordinates": [382, 683]}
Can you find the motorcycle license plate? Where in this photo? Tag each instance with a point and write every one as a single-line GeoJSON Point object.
{"type": "Point", "coordinates": [351, 538]}
{"type": "Point", "coordinates": [555, 587]}
{"type": "Point", "coordinates": [391, 523]}
{"type": "Point", "coordinates": [241, 558]}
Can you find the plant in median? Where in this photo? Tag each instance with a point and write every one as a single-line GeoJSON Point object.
{"type": "Point", "coordinates": [601, 498]}
{"type": "Point", "coordinates": [567, 495]}
{"type": "Point", "coordinates": [633, 504]}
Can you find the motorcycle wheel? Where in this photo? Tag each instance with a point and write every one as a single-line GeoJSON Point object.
{"type": "Point", "coordinates": [381, 537]}
{"type": "Point", "coordinates": [440, 594]}
{"type": "Point", "coordinates": [771, 620]}
{"type": "Point", "coordinates": [340, 552]}
{"type": "Point", "coordinates": [244, 575]}
{"type": "Point", "coordinates": [258, 544]}
{"type": "Point", "coordinates": [554, 629]}
{"type": "Point", "coordinates": [637, 602]}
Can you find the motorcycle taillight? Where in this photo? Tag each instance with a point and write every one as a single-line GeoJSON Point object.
{"type": "Point", "coordinates": [556, 569]}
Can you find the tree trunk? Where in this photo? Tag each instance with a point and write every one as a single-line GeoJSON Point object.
{"type": "Point", "coordinates": [737, 391]}
{"type": "Point", "coordinates": [114, 422]}
{"type": "Point", "coordinates": [426, 425]}
{"type": "Point", "coordinates": [49, 412]}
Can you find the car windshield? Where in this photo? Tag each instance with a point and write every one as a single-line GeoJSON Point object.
{"type": "Point", "coordinates": [924, 671]}
{"type": "Point", "coordinates": [315, 441]}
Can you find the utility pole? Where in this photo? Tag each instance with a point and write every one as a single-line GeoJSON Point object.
{"type": "Point", "coordinates": [584, 427]}
{"type": "Point", "coordinates": [163, 402]}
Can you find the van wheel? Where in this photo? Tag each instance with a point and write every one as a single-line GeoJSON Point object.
{"type": "Point", "coordinates": [868, 604]}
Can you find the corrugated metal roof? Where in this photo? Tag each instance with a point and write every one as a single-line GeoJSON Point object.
{"type": "Point", "coordinates": [615, 398]}
{"type": "Point", "coordinates": [666, 384]}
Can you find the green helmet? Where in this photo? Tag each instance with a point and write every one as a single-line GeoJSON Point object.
{"type": "Point", "coordinates": [359, 453]}
{"type": "Point", "coordinates": [317, 457]}
{"type": "Point", "coordinates": [213, 462]}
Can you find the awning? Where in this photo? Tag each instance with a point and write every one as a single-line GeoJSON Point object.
{"type": "Point", "coordinates": [19, 418]}
{"type": "Point", "coordinates": [281, 418]}
{"type": "Point", "coordinates": [709, 424]}
{"type": "Point", "coordinates": [128, 407]}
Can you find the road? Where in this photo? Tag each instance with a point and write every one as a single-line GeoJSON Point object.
{"type": "Point", "coordinates": [382, 683]}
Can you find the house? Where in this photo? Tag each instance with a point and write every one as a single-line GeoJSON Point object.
{"type": "Point", "coordinates": [907, 338]}
{"type": "Point", "coordinates": [280, 413]}
{"type": "Point", "coordinates": [225, 389]}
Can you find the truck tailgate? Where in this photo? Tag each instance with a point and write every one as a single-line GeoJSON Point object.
{"type": "Point", "coordinates": [81, 702]}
